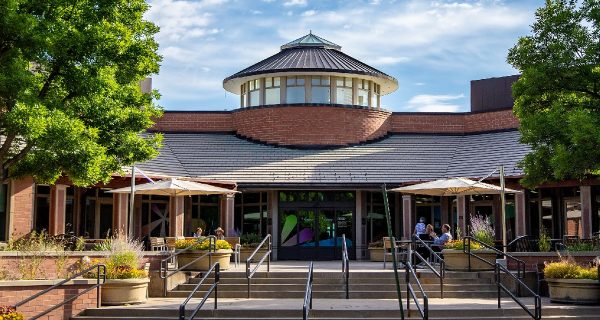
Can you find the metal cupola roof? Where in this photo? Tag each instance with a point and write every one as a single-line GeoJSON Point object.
{"type": "Point", "coordinates": [310, 54]}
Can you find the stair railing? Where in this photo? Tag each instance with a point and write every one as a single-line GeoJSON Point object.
{"type": "Point", "coordinates": [266, 255]}
{"type": "Point", "coordinates": [100, 275]}
{"type": "Point", "coordinates": [345, 266]}
{"type": "Point", "coordinates": [441, 272]}
{"type": "Point", "coordinates": [537, 309]}
{"type": "Point", "coordinates": [467, 249]}
{"type": "Point", "coordinates": [165, 273]}
{"type": "Point", "coordinates": [216, 269]}
{"type": "Point", "coordinates": [410, 293]}
{"type": "Point", "coordinates": [308, 293]}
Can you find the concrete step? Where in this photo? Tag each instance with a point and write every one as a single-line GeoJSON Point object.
{"type": "Point", "coordinates": [423, 273]}
{"type": "Point", "coordinates": [331, 314]}
{"type": "Point", "coordinates": [333, 281]}
{"type": "Point", "coordinates": [337, 294]}
{"type": "Point", "coordinates": [317, 287]}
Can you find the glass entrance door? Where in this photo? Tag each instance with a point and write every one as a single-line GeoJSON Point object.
{"type": "Point", "coordinates": [315, 233]}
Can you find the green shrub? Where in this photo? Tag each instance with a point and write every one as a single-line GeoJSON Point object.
{"type": "Point", "coordinates": [250, 239]}
{"type": "Point", "coordinates": [567, 269]}
{"type": "Point", "coordinates": [544, 242]}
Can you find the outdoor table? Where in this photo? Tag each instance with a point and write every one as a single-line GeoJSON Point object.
{"type": "Point", "coordinates": [405, 245]}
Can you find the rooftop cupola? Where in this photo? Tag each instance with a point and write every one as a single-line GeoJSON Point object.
{"type": "Point", "coordinates": [310, 71]}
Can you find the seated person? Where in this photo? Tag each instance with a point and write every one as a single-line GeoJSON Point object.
{"type": "Point", "coordinates": [219, 233]}
{"type": "Point", "coordinates": [420, 227]}
{"type": "Point", "coordinates": [198, 233]}
{"type": "Point", "coordinates": [439, 242]}
{"type": "Point", "coordinates": [424, 252]}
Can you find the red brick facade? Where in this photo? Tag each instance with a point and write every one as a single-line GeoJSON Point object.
{"type": "Point", "coordinates": [330, 125]}
{"type": "Point", "coordinates": [9, 295]}
{"type": "Point", "coordinates": [21, 206]}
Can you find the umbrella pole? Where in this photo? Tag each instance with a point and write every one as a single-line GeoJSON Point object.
{"type": "Point", "coordinates": [503, 208]}
{"type": "Point", "coordinates": [131, 201]}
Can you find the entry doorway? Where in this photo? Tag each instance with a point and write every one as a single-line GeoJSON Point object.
{"type": "Point", "coordinates": [315, 233]}
{"type": "Point", "coordinates": [311, 224]}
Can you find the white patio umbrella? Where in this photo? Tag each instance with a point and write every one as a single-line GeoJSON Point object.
{"type": "Point", "coordinates": [175, 187]}
{"type": "Point", "coordinates": [453, 187]}
{"type": "Point", "coordinates": [462, 186]}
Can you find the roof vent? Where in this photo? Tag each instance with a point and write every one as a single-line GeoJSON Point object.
{"type": "Point", "coordinates": [311, 40]}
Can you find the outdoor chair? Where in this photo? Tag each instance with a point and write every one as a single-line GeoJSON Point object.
{"type": "Point", "coordinates": [388, 251]}
{"type": "Point", "coordinates": [236, 246]}
{"type": "Point", "coordinates": [157, 244]}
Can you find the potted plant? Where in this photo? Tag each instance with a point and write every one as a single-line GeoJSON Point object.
{"type": "Point", "coordinates": [572, 283]}
{"type": "Point", "coordinates": [457, 260]}
{"type": "Point", "coordinates": [126, 282]}
{"type": "Point", "coordinates": [221, 254]}
{"type": "Point", "coordinates": [9, 313]}
{"type": "Point", "coordinates": [376, 251]}
{"type": "Point", "coordinates": [249, 242]}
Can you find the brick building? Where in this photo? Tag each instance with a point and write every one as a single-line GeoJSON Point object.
{"type": "Point", "coordinates": [309, 148]}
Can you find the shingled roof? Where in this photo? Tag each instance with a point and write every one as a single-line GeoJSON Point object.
{"type": "Point", "coordinates": [395, 160]}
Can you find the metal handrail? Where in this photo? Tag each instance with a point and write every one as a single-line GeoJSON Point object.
{"type": "Point", "coordinates": [467, 250]}
{"type": "Point", "coordinates": [250, 274]}
{"type": "Point", "coordinates": [308, 293]}
{"type": "Point", "coordinates": [410, 292]}
{"type": "Point", "coordinates": [164, 263]}
{"type": "Point", "coordinates": [100, 274]}
{"type": "Point", "coordinates": [537, 313]}
{"type": "Point", "coordinates": [345, 266]}
{"type": "Point", "coordinates": [213, 288]}
{"type": "Point", "coordinates": [441, 273]}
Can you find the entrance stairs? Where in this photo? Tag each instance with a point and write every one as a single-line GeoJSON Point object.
{"type": "Point", "coordinates": [279, 295]}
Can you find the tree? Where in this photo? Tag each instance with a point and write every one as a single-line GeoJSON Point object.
{"type": "Point", "coordinates": [70, 97]}
{"type": "Point", "coordinates": [557, 98]}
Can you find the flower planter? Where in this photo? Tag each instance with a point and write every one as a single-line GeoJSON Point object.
{"type": "Point", "coordinates": [222, 256]}
{"type": "Point", "coordinates": [376, 254]}
{"type": "Point", "coordinates": [457, 260]}
{"type": "Point", "coordinates": [576, 291]}
{"type": "Point", "coordinates": [246, 252]}
{"type": "Point", "coordinates": [124, 291]}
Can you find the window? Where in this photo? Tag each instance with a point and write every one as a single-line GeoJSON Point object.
{"type": "Point", "coordinates": [251, 215]}
{"type": "Point", "coordinates": [205, 214]}
{"type": "Point", "coordinates": [272, 90]}
{"type": "Point", "coordinates": [320, 92]}
{"type": "Point", "coordinates": [375, 93]}
{"type": "Point", "coordinates": [254, 92]}
{"type": "Point", "coordinates": [363, 93]}
{"type": "Point", "coordinates": [42, 208]}
{"type": "Point", "coordinates": [295, 90]}
{"type": "Point", "coordinates": [244, 96]}
{"type": "Point", "coordinates": [343, 90]}
{"type": "Point", "coordinates": [155, 215]}
{"type": "Point", "coordinates": [97, 206]}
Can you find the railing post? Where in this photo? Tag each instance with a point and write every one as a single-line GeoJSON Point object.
{"type": "Point", "coordinates": [270, 251]}
{"type": "Point", "coordinates": [425, 308]}
{"type": "Point", "coordinates": [468, 247]}
{"type": "Point", "coordinates": [217, 279]}
{"type": "Point", "coordinates": [98, 288]}
{"type": "Point", "coordinates": [497, 276]}
{"type": "Point", "coordinates": [407, 278]}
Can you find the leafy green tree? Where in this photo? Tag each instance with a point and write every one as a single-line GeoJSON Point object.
{"type": "Point", "coordinates": [557, 98]}
{"type": "Point", "coordinates": [70, 97]}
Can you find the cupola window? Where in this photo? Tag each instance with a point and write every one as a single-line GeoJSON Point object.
{"type": "Point", "coordinates": [320, 91]}
{"type": "Point", "coordinates": [343, 90]}
{"type": "Point", "coordinates": [273, 90]}
{"type": "Point", "coordinates": [295, 90]}
{"type": "Point", "coordinates": [363, 93]}
{"type": "Point", "coordinates": [375, 93]}
{"type": "Point", "coordinates": [254, 92]}
{"type": "Point", "coordinates": [244, 96]}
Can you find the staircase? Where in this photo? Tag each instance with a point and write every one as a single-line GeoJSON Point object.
{"type": "Point", "coordinates": [279, 295]}
{"type": "Point", "coordinates": [329, 285]}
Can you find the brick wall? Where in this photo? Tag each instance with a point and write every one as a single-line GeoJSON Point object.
{"type": "Point", "coordinates": [46, 267]}
{"type": "Point", "coordinates": [311, 125]}
{"type": "Point", "coordinates": [532, 259]}
{"type": "Point", "coordinates": [194, 122]}
{"type": "Point", "coordinates": [330, 125]}
{"type": "Point", "coordinates": [9, 295]}
{"type": "Point", "coordinates": [21, 206]}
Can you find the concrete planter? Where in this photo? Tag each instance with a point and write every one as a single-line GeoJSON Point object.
{"type": "Point", "coordinates": [457, 260]}
{"type": "Point", "coordinates": [576, 291]}
{"type": "Point", "coordinates": [124, 291]}
{"type": "Point", "coordinates": [376, 254]}
{"type": "Point", "coordinates": [246, 252]}
{"type": "Point", "coordinates": [222, 256]}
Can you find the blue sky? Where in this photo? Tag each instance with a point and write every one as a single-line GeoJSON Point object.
{"type": "Point", "coordinates": [433, 48]}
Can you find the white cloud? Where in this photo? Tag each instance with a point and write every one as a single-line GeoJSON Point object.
{"type": "Point", "coordinates": [434, 103]}
{"type": "Point", "coordinates": [299, 3]}
{"type": "Point", "coordinates": [388, 60]}
{"type": "Point", "coordinates": [309, 13]}
{"type": "Point", "coordinates": [256, 12]}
